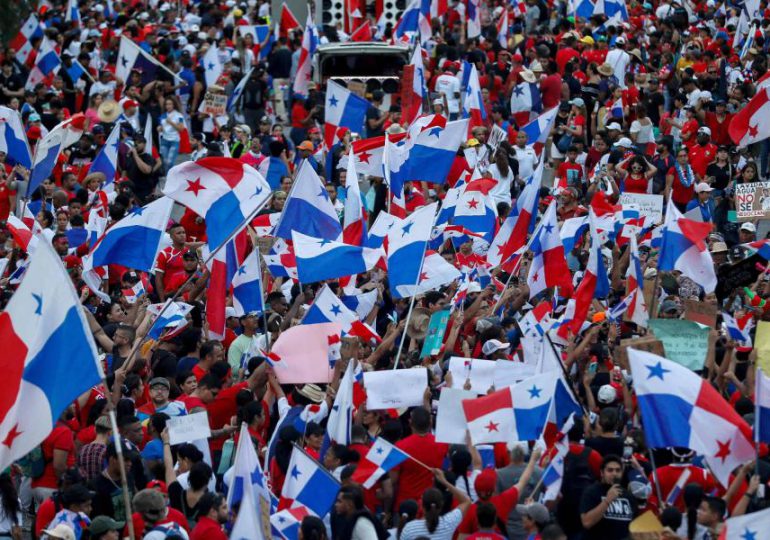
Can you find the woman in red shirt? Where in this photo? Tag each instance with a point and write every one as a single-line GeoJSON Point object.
{"type": "Point", "coordinates": [680, 181]}
{"type": "Point", "coordinates": [637, 174]}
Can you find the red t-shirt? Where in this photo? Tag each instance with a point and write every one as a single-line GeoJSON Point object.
{"type": "Point", "coordinates": [668, 475]}
{"type": "Point", "coordinates": [719, 134]}
{"type": "Point", "coordinates": [414, 479]}
{"type": "Point", "coordinates": [5, 201]}
{"type": "Point", "coordinates": [207, 529]}
{"type": "Point", "coordinates": [550, 90]}
{"type": "Point", "coordinates": [61, 438]}
{"type": "Point", "coordinates": [635, 185]}
{"type": "Point", "coordinates": [679, 193]}
{"type": "Point", "coordinates": [701, 157]}
{"type": "Point", "coordinates": [190, 402]}
{"type": "Point", "coordinates": [504, 502]}
{"type": "Point", "coordinates": [563, 56]}
{"type": "Point", "coordinates": [221, 410]}
{"type": "Point", "coordinates": [45, 515]}
{"type": "Point", "coordinates": [169, 262]}
{"type": "Point", "coordinates": [199, 372]}
{"type": "Point", "coordinates": [173, 516]}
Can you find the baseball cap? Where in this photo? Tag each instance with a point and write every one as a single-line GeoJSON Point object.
{"type": "Point", "coordinates": [536, 511]}
{"type": "Point", "coordinates": [620, 40]}
{"type": "Point", "coordinates": [494, 345]}
{"type": "Point", "coordinates": [160, 381]}
{"type": "Point", "coordinates": [607, 394]}
{"type": "Point", "coordinates": [61, 532]}
{"type": "Point", "coordinates": [669, 306]}
{"type": "Point", "coordinates": [750, 227]}
{"type": "Point", "coordinates": [588, 40]}
{"type": "Point", "coordinates": [158, 485]}
{"type": "Point", "coordinates": [230, 312]}
{"type": "Point", "coordinates": [472, 142]}
{"type": "Point", "coordinates": [624, 142]}
{"type": "Point", "coordinates": [102, 524]}
{"type": "Point", "coordinates": [703, 187]}
{"type": "Point", "coordinates": [614, 126]}
{"type": "Point", "coordinates": [578, 102]}
{"type": "Point", "coordinates": [474, 287]}
{"type": "Point", "coordinates": [704, 130]}
{"type": "Point", "coordinates": [306, 145]}
{"type": "Point", "coordinates": [486, 480]}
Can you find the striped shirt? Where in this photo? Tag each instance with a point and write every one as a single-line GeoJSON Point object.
{"type": "Point", "coordinates": [445, 530]}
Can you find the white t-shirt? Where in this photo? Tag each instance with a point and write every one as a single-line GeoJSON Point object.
{"type": "Point", "coordinates": [449, 85]}
{"type": "Point", "coordinates": [502, 190]}
{"type": "Point", "coordinates": [644, 133]}
{"type": "Point", "coordinates": [447, 524]}
{"type": "Point", "coordinates": [169, 132]}
{"type": "Point", "coordinates": [619, 60]}
{"type": "Point", "coordinates": [527, 159]}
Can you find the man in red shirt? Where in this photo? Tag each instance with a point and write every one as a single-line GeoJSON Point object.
{"type": "Point", "coordinates": [566, 51]}
{"type": "Point", "coordinates": [550, 87]}
{"type": "Point", "coordinates": [170, 260]}
{"type": "Point", "coordinates": [212, 508]}
{"type": "Point", "coordinates": [504, 502]}
{"type": "Point", "coordinates": [411, 479]}
{"type": "Point", "coordinates": [59, 454]}
{"type": "Point", "coordinates": [718, 122]}
{"type": "Point", "coordinates": [702, 153]}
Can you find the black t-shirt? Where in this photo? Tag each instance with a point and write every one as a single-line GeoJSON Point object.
{"type": "Point", "coordinates": [616, 518]}
{"type": "Point", "coordinates": [373, 113]}
{"type": "Point", "coordinates": [653, 101]}
{"type": "Point", "coordinates": [108, 500]}
{"type": "Point", "coordinates": [144, 183]}
{"type": "Point", "coordinates": [721, 175]}
{"type": "Point", "coordinates": [606, 445]}
{"type": "Point", "coordinates": [12, 83]}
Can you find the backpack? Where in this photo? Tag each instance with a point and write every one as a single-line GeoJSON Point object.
{"type": "Point", "coordinates": [577, 477]}
{"type": "Point", "coordinates": [33, 464]}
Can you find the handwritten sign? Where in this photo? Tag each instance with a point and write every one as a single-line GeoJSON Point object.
{"type": "Point", "coordinates": [752, 201]}
{"type": "Point", "coordinates": [509, 373]}
{"type": "Point", "coordinates": [649, 205]}
{"type": "Point", "coordinates": [450, 420]}
{"type": "Point", "coordinates": [184, 429]}
{"type": "Point", "coordinates": [480, 373]}
{"type": "Point", "coordinates": [214, 102]}
{"type": "Point", "coordinates": [435, 337]}
{"type": "Point", "coordinates": [395, 388]}
{"type": "Point", "coordinates": [730, 276]}
{"type": "Point", "coordinates": [685, 342]}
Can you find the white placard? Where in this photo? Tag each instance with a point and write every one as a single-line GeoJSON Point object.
{"type": "Point", "coordinates": [480, 372]}
{"type": "Point", "coordinates": [509, 373]}
{"type": "Point", "coordinates": [189, 428]}
{"type": "Point", "coordinates": [395, 388]}
{"type": "Point", "coordinates": [450, 420]}
{"type": "Point", "coordinates": [648, 204]}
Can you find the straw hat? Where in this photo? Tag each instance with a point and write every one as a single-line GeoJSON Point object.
{"type": "Point", "coordinates": [535, 67]}
{"type": "Point", "coordinates": [108, 111]}
{"type": "Point", "coordinates": [606, 70]}
{"type": "Point", "coordinates": [312, 392]}
{"type": "Point", "coordinates": [637, 53]}
{"type": "Point", "coordinates": [418, 324]}
{"type": "Point", "coordinates": [527, 76]}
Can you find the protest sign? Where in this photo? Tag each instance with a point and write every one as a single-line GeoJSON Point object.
{"type": "Point", "coordinates": [450, 420]}
{"type": "Point", "coordinates": [496, 136]}
{"type": "Point", "coordinates": [762, 345]}
{"type": "Point", "coordinates": [752, 201]}
{"type": "Point", "coordinates": [509, 373]}
{"type": "Point", "coordinates": [435, 337]}
{"type": "Point", "coordinates": [647, 343]}
{"type": "Point", "coordinates": [685, 342]}
{"type": "Point", "coordinates": [192, 427]}
{"type": "Point", "coordinates": [395, 388]}
{"type": "Point", "coordinates": [214, 101]}
{"type": "Point", "coordinates": [480, 373]}
{"type": "Point", "coordinates": [742, 273]}
{"type": "Point", "coordinates": [701, 312]}
{"type": "Point", "coordinates": [649, 205]}
{"type": "Point", "coordinates": [303, 353]}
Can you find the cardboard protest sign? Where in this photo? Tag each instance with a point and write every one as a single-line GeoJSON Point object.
{"type": "Point", "coordinates": [685, 342]}
{"type": "Point", "coordinates": [214, 101]}
{"type": "Point", "coordinates": [701, 312]}
{"type": "Point", "coordinates": [648, 343]}
{"type": "Point", "coordinates": [752, 201]}
{"type": "Point", "coordinates": [649, 205]}
{"type": "Point", "coordinates": [395, 388]}
{"type": "Point", "coordinates": [185, 429]}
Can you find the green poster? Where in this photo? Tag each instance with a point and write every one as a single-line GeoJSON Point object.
{"type": "Point", "coordinates": [435, 336]}
{"type": "Point", "coordinates": [685, 342]}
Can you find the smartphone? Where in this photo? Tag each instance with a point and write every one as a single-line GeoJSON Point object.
{"type": "Point", "coordinates": [592, 367]}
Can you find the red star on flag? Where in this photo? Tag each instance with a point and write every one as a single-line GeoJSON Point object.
{"type": "Point", "coordinates": [11, 436]}
{"type": "Point", "coordinates": [473, 203]}
{"type": "Point", "coordinates": [195, 186]}
{"type": "Point", "coordinates": [492, 427]}
{"type": "Point", "coordinates": [724, 450]}
{"type": "Point", "coordinates": [364, 156]}
{"type": "Point", "coordinates": [753, 131]}
{"type": "Point", "coordinates": [423, 276]}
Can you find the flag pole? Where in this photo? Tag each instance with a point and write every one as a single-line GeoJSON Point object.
{"type": "Point", "coordinates": [121, 463]}
{"type": "Point", "coordinates": [411, 302]}
{"type": "Point", "coordinates": [262, 289]}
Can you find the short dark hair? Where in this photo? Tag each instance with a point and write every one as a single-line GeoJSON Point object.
{"type": "Point", "coordinates": [420, 418]}
{"type": "Point", "coordinates": [717, 505]}
{"type": "Point", "coordinates": [354, 495]}
{"type": "Point", "coordinates": [611, 458]}
{"type": "Point", "coordinates": [208, 347]}
{"type": "Point", "coordinates": [212, 382]}
{"type": "Point", "coordinates": [209, 500]}
{"type": "Point", "coordinates": [486, 513]}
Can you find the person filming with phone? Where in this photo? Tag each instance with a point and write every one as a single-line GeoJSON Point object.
{"type": "Point", "coordinates": [606, 508]}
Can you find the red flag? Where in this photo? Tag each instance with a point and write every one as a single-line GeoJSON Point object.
{"type": "Point", "coordinates": [362, 33]}
{"type": "Point", "coordinates": [288, 22]}
{"type": "Point", "coordinates": [750, 124]}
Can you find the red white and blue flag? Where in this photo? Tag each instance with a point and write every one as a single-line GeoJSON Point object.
{"type": "Point", "coordinates": [381, 458]}
{"type": "Point", "coordinates": [549, 267]}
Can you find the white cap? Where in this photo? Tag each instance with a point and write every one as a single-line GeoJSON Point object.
{"type": "Point", "coordinates": [144, 15]}
{"type": "Point", "coordinates": [615, 126]}
{"type": "Point", "coordinates": [620, 40]}
{"type": "Point", "coordinates": [625, 142]}
{"type": "Point", "coordinates": [748, 226]}
{"type": "Point", "coordinates": [703, 187]}
{"type": "Point", "coordinates": [230, 312]}
{"type": "Point", "coordinates": [98, 8]}
{"type": "Point", "coordinates": [704, 130]}
{"type": "Point", "coordinates": [195, 28]}
{"type": "Point", "coordinates": [494, 345]}
{"type": "Point", "coordinates": [474, 287]}
{"type": "Point", "coordinates": [607, 394]}
{"type": "Point", "coordinates": [165, 7]}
